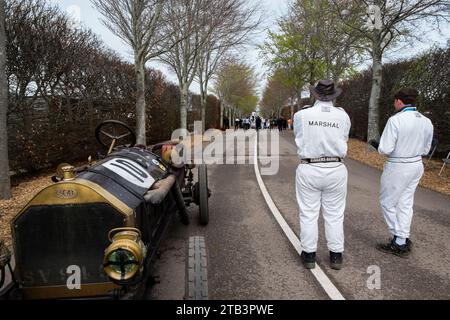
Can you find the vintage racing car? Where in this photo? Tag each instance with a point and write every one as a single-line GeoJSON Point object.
{"type": "Point", "coordinates": [104, 221]}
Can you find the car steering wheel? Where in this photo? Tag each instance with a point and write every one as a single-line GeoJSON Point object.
{"type": "Point", "coordinates": [112, 133]}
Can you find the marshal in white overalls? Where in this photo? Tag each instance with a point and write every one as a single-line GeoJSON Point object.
{"type": "Point", "coordinates": [322, 131]}
{"type": "Point", "coordinates": [407, 137]}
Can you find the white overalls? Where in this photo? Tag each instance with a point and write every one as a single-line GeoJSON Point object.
{"type": "Point", "coordinates": [322, 131]}
{"type": "Point", "coordinates": [407, 137]}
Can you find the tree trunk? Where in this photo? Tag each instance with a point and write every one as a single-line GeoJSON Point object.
{"type": "Point", "coordinates": [5, 184]}
{"type": "Point", "coordinates": [204, 115]}
{"type": "Point", "coordinates": [336, 80]}
{"type": "Point", "coordinates": [184, 100]}
{"type": "Point", "coordinates": [221, 114]}
{"type": "Point", "coordinates": [203, 104]}
{"type": "Point", "coordinates": [141, 137]}
{"type": "Point", "coordinates": [329, 64]}
{"type": "Point", "coordinates": [233, 117]}
{"type": "Point", "coordinates": [299, 101]}
{"type": "Point", "coordinates": [373, 132]}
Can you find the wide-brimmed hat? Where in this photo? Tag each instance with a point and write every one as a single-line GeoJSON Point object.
{"type": "Point", "coordinates": [325, 91]}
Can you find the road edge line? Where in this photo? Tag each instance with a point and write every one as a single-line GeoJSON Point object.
{"type": "Point", "coordinates": [318, 273]}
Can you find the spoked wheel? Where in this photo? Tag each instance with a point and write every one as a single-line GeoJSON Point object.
{"type": "Point", "coordinates": [196, 270]}
{"type": "Point", "coordinates": [5, 258]}
{"type": "Point", "coordinates": [202, 192]}
{"type": "Point", "coordinates": [2, 277]}
{"type": "Point", "coordinates": [6, 268]}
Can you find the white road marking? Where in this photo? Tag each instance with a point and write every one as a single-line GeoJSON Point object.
{"type": "Point", "coordinates": [318, 273]}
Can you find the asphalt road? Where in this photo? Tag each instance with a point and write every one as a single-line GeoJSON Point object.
{"type": "Point", "coordinates": [250, 258]}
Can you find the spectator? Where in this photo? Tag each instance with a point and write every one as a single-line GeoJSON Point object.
{"type": "Point", "coordinates": [258, 123]}
{"type": "Point", "coordinates": [290, 124]}
{"type": "Point", "coordinates": [280, 124]}
{"type": "Point", "coordinates": [237, 124]}
{"type": "Point", "coordinates": [226, 123]}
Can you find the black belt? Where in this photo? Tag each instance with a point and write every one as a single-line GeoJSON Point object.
{"type": "Point", "coordinates": [322, 160]}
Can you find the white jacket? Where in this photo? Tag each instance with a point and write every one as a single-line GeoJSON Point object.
{"type": "Point", "coordinates": [407, 137]}
{"type": "Point", "coordinates": [322, 131]}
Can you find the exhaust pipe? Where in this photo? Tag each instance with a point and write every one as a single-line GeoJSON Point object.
{"type": "Point", "coordinates": [160, 191]}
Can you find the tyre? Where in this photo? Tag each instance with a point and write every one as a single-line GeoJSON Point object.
{"type": "Point", "coordinates": [2, 277]}
{"type": "Point", "coordinates": [203, 194]}
{"type": "Point", "coordinates": [196, 270]}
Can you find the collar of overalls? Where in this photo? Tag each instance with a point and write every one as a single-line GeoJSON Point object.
{"type": "Point", "coordinates": [407, 108]}
{"type": "Point", "coordinates": [323, 103]}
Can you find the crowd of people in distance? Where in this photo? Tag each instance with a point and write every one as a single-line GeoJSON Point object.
{"type": "Point", "coordinates": [259, 123]}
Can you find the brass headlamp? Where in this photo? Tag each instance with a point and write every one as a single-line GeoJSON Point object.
{"type": "Point", "coordinates": [124, 258]}
{"type": "Point", "coordinates": [68, 173]}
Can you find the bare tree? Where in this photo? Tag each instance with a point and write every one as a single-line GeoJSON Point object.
{"type": "Point", "coordinates": [382, 23]}
{"type": "Point", "coordinates": [276, 95]}
{"type": "Point", "coordinates": [189, 27]}
{"type": "Point", "coordinates": [62, 81]}
{"type": "Point", "coordinates": [229, 30]}
{"type": "Point", "coordinates": [5, 185]}
{"type": "Point", "coordinates": [139, 24]}
{"type": "Point", "coordinates": [236, 87]}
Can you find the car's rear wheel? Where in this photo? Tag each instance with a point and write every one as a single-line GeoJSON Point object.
{"type": "Point", "coordinates": [203, 194]}
{"type": "Point", "coordinates": [196, 270]}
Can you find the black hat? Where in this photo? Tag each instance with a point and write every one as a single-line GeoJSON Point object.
{"type": "Point", "coordinates": [325, 91]}
{"type": "Point", "coordinates": [407, 95]}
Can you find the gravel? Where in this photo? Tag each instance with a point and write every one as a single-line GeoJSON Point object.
{"type": "Point", "coordinates": [358, 151]}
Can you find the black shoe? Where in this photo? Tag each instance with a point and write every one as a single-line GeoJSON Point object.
{"type": "Point", "coordinates": [336, 260]}
{"type": "Point", "coordinates": [395, 249]}
{"type": "Point", "coordinates": [409, 243]}
{"type": "Point", "coordinates": [309, 260]}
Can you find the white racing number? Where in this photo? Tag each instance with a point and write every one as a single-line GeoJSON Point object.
{"type": "Point", "coordinates": [130, 171]}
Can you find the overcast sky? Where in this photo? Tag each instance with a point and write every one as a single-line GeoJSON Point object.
{"type": "Point", "coordinates": [272, 10]}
